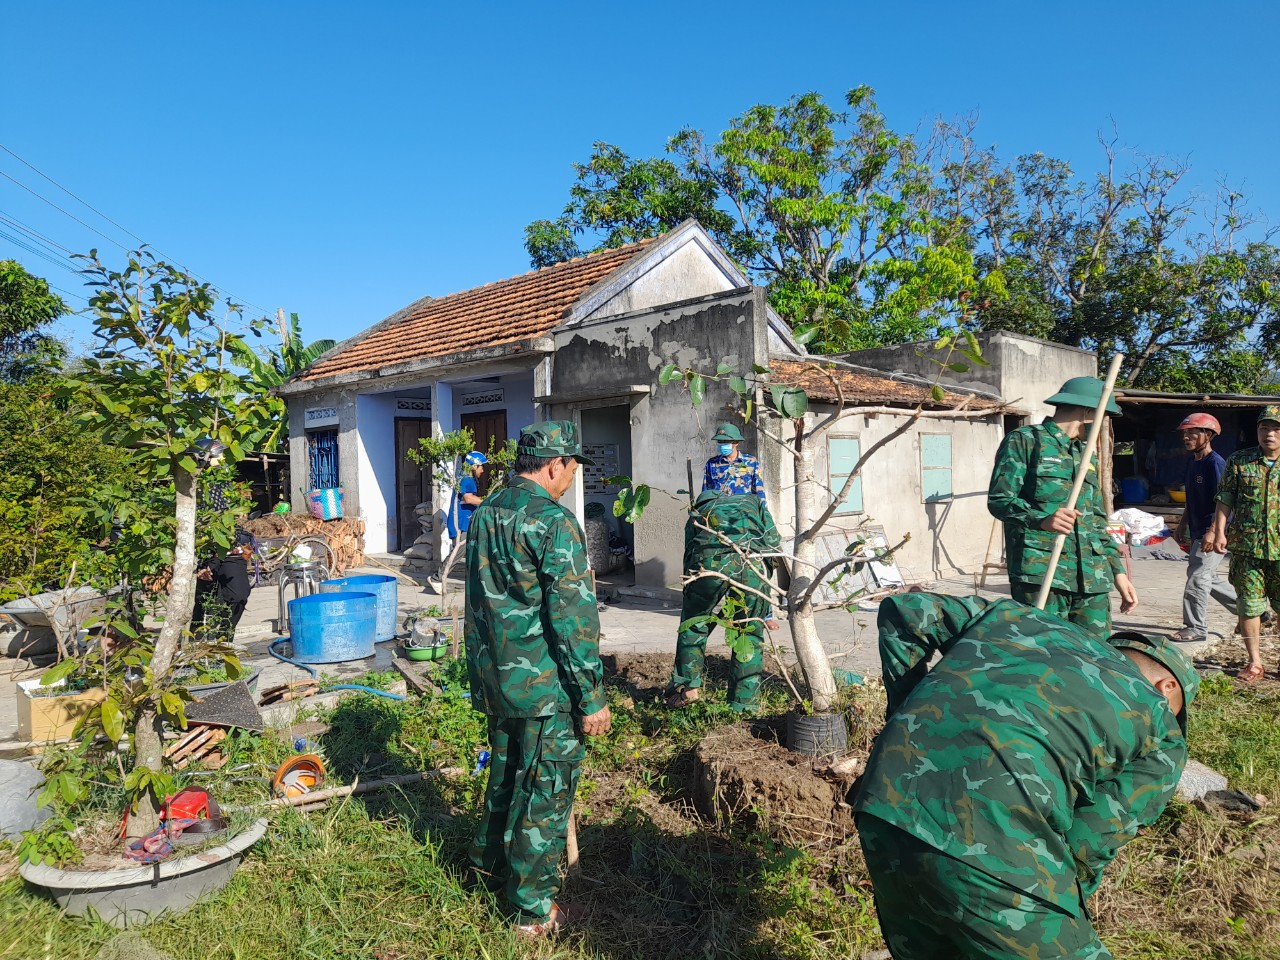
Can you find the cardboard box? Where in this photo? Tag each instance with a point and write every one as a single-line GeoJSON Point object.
{"type": "Point", "coordinates": [52, 716]}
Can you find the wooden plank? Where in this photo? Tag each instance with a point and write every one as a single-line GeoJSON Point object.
{"type": "Point", "coordinates": [415, 675]}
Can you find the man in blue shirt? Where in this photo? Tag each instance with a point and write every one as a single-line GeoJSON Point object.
{"type": "Point", "coordinates": [1204, 472]}
{"type": "Point", "coordinates": [467, 497]}
{"type": "Point", "coordinates": [729, 471]}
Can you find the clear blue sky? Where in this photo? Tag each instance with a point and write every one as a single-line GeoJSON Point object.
{"type": "Point", "coordinates": [343, 160]}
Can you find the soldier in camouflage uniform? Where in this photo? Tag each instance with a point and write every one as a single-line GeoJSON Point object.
{"type": "Point", "coordinates": [736, 522]}
{"type": "Point", "coordinates": [1249, 494]}
{"type": "Point", "coordinates": [1009, 775]}
{"type": "Point", "coordinates": [533, 659]}
{"type": "Point", "coordinates": [1034, 472]}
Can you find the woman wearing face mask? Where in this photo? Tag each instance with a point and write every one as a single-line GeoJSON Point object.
{"type": "Point", "coordinates": [729, 471]}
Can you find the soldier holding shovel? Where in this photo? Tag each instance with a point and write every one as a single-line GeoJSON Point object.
{"type": "Point", "coordinates": [1031, 491]}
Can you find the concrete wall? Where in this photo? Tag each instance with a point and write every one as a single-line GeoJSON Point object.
{"type": "Point", "coordinates": [375, 443]}
{"type": "Point", "coordinates": [686, 271]}
{"type": "Point", "coordinates": [1021, 370]}
{"type": "Point", "coordinates": [947, 536]}
{"type": "Point", "coordinates": [597, 360]}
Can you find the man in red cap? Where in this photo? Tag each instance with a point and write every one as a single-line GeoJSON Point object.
{"type": "Point", "coordinates": [1204, 473]}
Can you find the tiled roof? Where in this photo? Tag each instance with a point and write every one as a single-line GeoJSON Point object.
{"type": "Point", "coordinates": [520, 308]}
{"type": "Point", "coordinates": [862, 388]}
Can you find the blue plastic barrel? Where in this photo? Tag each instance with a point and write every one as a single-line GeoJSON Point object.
{"type": "Point", "coordinates": [382, 587]}
{"type": "Point", "coordinates": [333, 627]}
{"type": "Point", "coordinates": [1133, 490]}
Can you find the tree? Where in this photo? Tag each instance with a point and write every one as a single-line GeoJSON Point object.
{"type": "Point", "coordinates": [782, 415]}
{"type": "Point", "coordinates": [49, 462]}
{"type": "Point", "coordinates": [26, 305]}
{"type": "Point", "coordinates": [158, 383]}
{"type": "Point", "coordinates": [1134, 261]}
{"type": "Point", "coordinates": [276, 368]}
{"type": "Point", "coordinates": [862, 234]}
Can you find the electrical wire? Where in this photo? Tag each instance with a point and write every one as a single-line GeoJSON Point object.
{"type": "Point", "coordinates": [227, 294]}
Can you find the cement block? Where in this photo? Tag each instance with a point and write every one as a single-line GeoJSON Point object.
{"type": "Point", "coordinates": [18, 810]}
{"type": "Point", "coordinates": [1198, 780]}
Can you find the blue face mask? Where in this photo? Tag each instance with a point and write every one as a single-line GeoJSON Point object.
{"type": "Point", "coordinates": [726, 449]}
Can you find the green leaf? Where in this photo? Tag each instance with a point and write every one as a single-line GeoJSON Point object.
{"type": "Point", "coordinates": [790, 402]}
{"type": "Point", "coordinates": [59, 672]}
{"type": "Point", "coordinates": [756, 368]}
{"type": "Point", "coordinates": [937, 393]}
{"type": "Point", "coordinates": [747, 413]}
{"type": "Point", "coordinates": [804, 332]}
{"type": "Point", "coordinates": [722, 368]}
{"type": "Point", "coordinates": [958, 367]}
{"type": "Point", "coordinates": [697, 388]}
{"type": "Point", "coordinates": [112, 719]}
{"type": "Point", "coordinates": [738, 385]}
{"type": "Point", "coordinates": [669, 372]}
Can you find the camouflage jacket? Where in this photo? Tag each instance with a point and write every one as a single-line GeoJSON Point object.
{"type": "Point", "coordinates": [1030, 751]}
{"type": "Point", "coordinates": [532, 626]}
{"type": "Point", "coordinates": [745, 521]}
{"type": "Point", "coordinates": [733, 476]}
{"type": "Point", "coordinates": [1035, 468]}
{"type": "Point", "coordinates": [1251, 489]}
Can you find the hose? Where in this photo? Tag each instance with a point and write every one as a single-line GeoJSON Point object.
{"type": "Point", "coordinates": [271, 649]}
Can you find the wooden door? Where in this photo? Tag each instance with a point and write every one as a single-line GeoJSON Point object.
{"type": "Point", "coordinates": [413, 482]}
{"type": "Point", "coordinates": [489, 429]}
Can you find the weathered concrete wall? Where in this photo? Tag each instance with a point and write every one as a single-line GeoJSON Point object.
{"type": "Point", "coordinates": [1021, 370]}
{"type": "Point", "coordinates": [687, 271]}
{"type": "Point", "coordinates": [597, 360]}
{"type": "Point", "coordinates": [947, 536]}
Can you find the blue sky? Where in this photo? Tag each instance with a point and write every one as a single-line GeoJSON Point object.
{"type": "Point", "coordinates": [343, 160]}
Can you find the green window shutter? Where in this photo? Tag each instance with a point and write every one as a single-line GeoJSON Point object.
{"type": "Point", "coordinates": [842, 454]}
{"type": "Point", "coordinates": [935, 466]}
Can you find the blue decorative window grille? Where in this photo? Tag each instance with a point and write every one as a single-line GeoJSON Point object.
{"type": "Point", "coordinates": [322, 459]}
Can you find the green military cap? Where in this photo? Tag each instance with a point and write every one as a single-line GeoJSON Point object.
{"type": "Point", "coordinates": [1083, 392]}
{"type": "Point", "coordinates": [1162, 650]}
{"type": "Point", "coordinates": [552, 438]}
{"type": "Point", "coordinates": [1270, 413]}
{"type": "Point", "coordinates": [727, 433]}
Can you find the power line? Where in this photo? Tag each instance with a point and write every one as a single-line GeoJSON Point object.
{"type": "Point", "coordinates": [227, 294]}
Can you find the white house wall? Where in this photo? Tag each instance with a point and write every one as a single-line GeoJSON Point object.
{"type": "Point", "coordinates": [688, 271]}
{"type": "Point", "coordinates": [376, 476]}
{"type": "Point", "coordinates": [947, 536]}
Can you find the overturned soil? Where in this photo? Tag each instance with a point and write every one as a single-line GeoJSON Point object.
{"type": "Point", "coordinates": [741, 779]}
{"type": "Point", "coordinates": [645, 675]}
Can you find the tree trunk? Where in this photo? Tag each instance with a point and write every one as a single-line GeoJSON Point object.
{"type": "Point", "coordinates": [148, 729]}
{"type": "Point", "coordinates": [804, 631]}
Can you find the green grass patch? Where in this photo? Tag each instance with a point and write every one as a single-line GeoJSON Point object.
{"type": "Point", "coordinates": [1234, 730]}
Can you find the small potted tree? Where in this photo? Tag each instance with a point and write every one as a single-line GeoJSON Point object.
{"type": "Point", "coordinates": [160, 385]}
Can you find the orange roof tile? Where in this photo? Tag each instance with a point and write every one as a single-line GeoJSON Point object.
{"type": "Point", "coordinates": [814, 377]}
{"type": "Point", "coordinates": [519, 308]}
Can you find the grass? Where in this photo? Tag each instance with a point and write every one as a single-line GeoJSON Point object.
{"type": "Point", "coordinates": [380, 876]}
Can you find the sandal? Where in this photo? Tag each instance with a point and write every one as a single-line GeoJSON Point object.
{"type": "Point", "coordinates": [683, 697]}
{"type": "Point", "coordinates": [1251, 674]}
{"type": "Point", "coordinates": [560, 917]}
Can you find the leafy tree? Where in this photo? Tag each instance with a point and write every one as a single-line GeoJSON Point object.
{"type": "Point", "coordinates": [48, 463]}
{"type": "Point", "coordinates": [1133, 261]}
{"type": "Point", "coordinates": [159, 381]}
{"type": "Point", "coordinates": [26, 305]}
{"type": "Point", "coordinates": [863, 234]}
{"type": "Point", "coordinates": [276, 368]}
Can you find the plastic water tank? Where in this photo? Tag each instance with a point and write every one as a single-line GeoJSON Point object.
{"type": "Point", "coordinates": [1133, 490]}
{"type": "Point", "coordinates": [381, 586]}
{"type": "Point", "coordinates": [333, 627]}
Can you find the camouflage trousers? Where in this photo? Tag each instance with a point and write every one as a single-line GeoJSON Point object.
{"type": "Point", "coordinates": [935, 907]}
{"type": "Point", "coordinates": [1257, 584]}
{"type": "Point", "coordinates": [1092, 611]}
{"type": "Point", "coordinates": [704, 598]}
{"type": "Point", "coordinates": [533, 773]}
